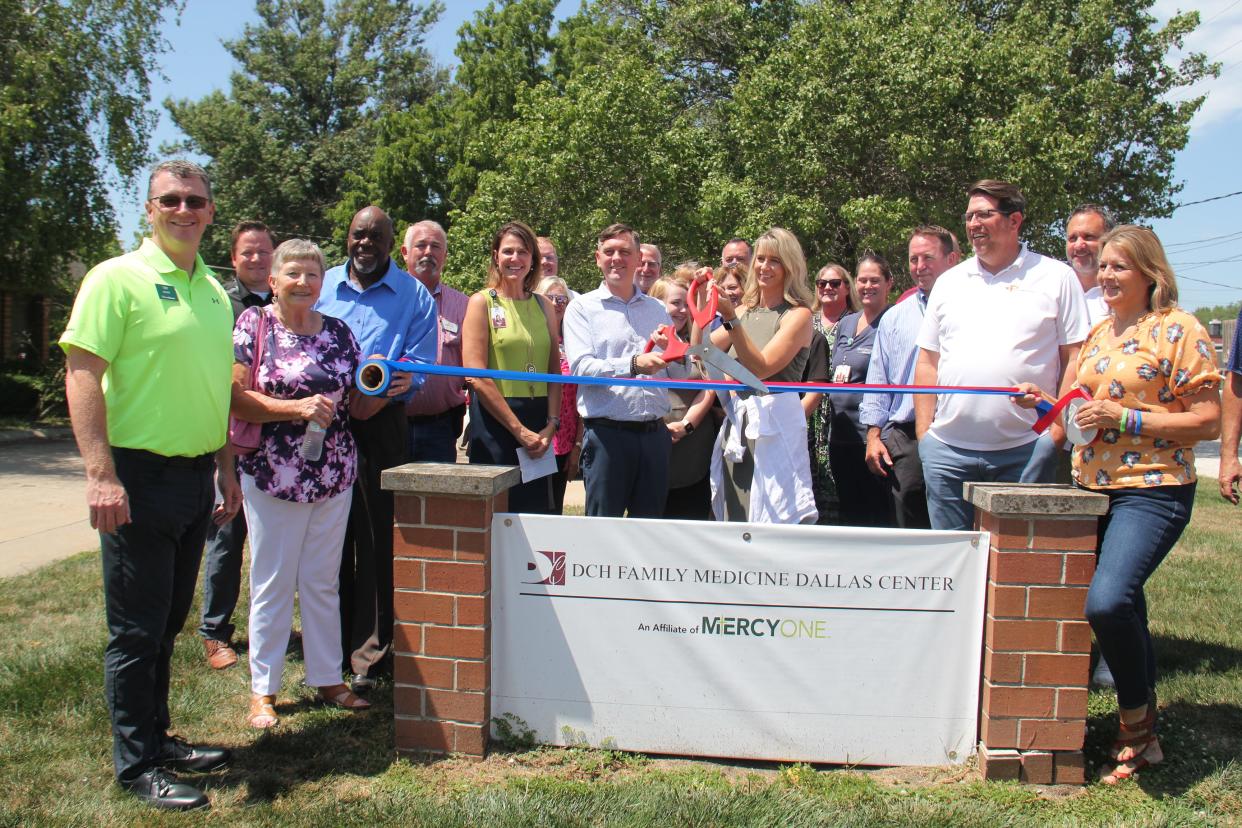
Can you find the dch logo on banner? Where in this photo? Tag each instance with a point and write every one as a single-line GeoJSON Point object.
{"type": "Point", "coordinates": [549, 564]}
{"type": "Point", "coordinates": [796, 643]}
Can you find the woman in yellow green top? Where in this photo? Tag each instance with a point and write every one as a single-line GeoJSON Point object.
{"type": "Point", "coordinates": [507, 327]}
{"type": "Point", "coordinates": [1154, 386]}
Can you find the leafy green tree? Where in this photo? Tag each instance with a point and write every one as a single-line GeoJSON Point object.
{"type": "Point", "coordinates": [874, 116]}
{"type": "Point", "coordinates": [303, 111]}
{"type": "Point", "coordinates": [428, 158]}
{"type": "Point", "coordinates": [848, 123]}
{"type": "Point", "coordinates": [613, 145]}
{"type": "Point", "coordinates": [74, 85]}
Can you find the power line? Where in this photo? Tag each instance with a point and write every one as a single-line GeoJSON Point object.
{"type": "Point", "coordinates": [1171, 245]}
{"type": "Point", "coordinates": [1219, 13]}
{"type": "Point", "coordinates": [1206, 200]}
{"type": "Point", "coordinates": [1213, 284]}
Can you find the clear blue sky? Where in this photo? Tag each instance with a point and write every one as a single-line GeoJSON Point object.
{"type": "Point", "coordinates": [1204, 241]}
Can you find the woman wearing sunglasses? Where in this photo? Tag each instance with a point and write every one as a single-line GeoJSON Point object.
{"type": "Point", "coordinates": [833, 299]}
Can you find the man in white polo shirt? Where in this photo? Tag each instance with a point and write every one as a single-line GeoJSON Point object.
{"type": "Point", "coordinates": [1007, 315]}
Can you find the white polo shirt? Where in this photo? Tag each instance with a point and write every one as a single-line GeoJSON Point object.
{"type": "Point", "coordinates": [999, 329]}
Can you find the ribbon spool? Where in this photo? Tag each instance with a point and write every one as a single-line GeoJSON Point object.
{"type": "Point", "coordinates": [1073, 432]}
{"type": "Point", "coordinates": [375, 375]}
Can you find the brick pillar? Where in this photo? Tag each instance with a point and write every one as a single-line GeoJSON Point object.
{"type": "Point", "coordinates": [442, 601]}
{"type": "Point", "coordinates": [1037, 645]}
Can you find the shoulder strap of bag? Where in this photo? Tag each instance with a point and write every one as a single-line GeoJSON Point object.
{"type": "Point", "coordinates": [260, 340]}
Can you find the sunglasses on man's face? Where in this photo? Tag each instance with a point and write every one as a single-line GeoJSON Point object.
{"type": "Point", "coordinates": [828, 283]}
{"type": "Point", "coordinates": [174, 202]}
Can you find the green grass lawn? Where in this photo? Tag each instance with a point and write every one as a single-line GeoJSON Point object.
{"type": "Point", "coordinates": [329, 767]}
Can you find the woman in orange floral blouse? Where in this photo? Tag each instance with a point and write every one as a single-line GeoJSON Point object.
{"type": "Point", "coordinates": [1153, 381]}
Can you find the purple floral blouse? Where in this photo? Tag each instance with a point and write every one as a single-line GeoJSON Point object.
{"type": "Point", "coordinates": [296, 366]}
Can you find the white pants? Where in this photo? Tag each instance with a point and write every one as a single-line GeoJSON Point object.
{"type": "Point", "coordinates": [294, 546]}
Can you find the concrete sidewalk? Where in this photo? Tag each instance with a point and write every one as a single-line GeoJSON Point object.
{"type": "Point", "coordinates": [44, 489]}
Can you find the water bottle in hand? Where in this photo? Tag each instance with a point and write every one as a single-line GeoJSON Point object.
{"type": "Point", "coordinates": [312, 441]}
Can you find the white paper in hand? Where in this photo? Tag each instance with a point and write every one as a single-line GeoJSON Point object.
{"type": "Point", "coordinates": [534, 469]}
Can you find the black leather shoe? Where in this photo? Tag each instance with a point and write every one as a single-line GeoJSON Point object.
{"type": "Point", "coordinates": [179, 755]}
{"type": "Point", "coordinates": [160, 789]}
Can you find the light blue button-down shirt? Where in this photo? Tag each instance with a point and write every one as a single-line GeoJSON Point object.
{"type": "Point", "coordinates": [602, 334]}
{"type": "Point", "coordinates": [892, 363]}
{"type": "Point", "coordinates": [395, 316]}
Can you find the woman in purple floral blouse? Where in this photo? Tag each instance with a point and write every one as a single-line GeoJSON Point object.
{"type": "Point", "coordinates": [296, 509]}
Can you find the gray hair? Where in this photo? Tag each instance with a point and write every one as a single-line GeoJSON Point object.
{"type": "Point", "coordinates": [179, 168]}
{"type": "Point", "coordinates": [1105, 214]}
{"type": "Point", "coordinates": [427, 223]}
{"type": "Point", "coordinates": [297, 250]}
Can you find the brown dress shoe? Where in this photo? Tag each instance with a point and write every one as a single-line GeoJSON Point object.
{"type": "Point", "coordinates": [219, 654]}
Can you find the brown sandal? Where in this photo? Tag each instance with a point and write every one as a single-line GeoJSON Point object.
{"type": "Point", "coordinates": [1137, 735]}
{"type": "Point", "coordinates": [338, 695]}
{"type": "Point", "coordinates": [262, 712]}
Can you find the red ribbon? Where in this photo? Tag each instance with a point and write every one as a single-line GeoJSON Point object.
{"type": "Point", "coordinates": [1041, 425]}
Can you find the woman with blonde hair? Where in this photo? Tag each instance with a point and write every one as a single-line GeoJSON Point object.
{"type": "Point", "coordinates": [1151, 373]}
{"type": "Point", "coordinates": [760, 470]}
{"type": "Point", "coordinates": [508, 327]}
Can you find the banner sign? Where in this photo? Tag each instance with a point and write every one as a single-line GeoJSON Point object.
{"type": "Point", "coordinates": [789, 643]}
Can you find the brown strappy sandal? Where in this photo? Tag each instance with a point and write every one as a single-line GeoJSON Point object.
{"type": "Point", "coordinates": [338, 695]}
{"type": "Point", "coordinates": [262, 712]}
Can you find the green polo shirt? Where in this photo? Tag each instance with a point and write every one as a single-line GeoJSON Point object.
{"type": "Point", "coordinates": [168, 341]}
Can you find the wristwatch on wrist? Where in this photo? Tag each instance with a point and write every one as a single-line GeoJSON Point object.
{"type": "Point", "coordinates": [555, 422]}
{"type": "Point", "coordinates": [729, 324]}
{"type": "Point", "coordinates": [688, 426]}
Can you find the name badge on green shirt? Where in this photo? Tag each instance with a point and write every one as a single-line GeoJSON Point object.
{"type": "Point", "coordinates": [166, 292]}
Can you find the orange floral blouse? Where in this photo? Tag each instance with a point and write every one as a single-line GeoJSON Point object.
{"type": "Point", "coordinates": [1169, 357]}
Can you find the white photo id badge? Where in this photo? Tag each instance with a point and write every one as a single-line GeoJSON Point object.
{"type": "Point", "coordinates": [498, 317]}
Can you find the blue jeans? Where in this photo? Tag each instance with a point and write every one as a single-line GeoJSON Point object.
{"type": "Point", "coordinates": [946, 468]}
{"type": "Point", "coordinates": [222, 566]}
{"type": "Point", "coordinates": [1139, 530]}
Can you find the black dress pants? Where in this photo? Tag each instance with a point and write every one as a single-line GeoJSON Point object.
{"type": "Point", "coordinates": [150, 567]}
{"type": "Point", "coordinates": [366, 561]}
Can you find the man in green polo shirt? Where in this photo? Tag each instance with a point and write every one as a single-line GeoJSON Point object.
{"type": "Point", "coordinates": [149, 359]}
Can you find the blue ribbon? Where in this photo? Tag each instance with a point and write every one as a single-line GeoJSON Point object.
{"type": "Point", "coordinates": [375, 375]}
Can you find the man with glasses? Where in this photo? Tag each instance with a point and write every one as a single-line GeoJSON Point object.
{"type": "Point", "coordinates": [393, 316]}
{"type": "Point", "coordinates": [149, 351]}
{"type": "Point", "coordinates": [437, 411]}
{"type": "Point", "coordinates": [650, 262]}
{"type": "Point", "coordinates": [1004, 316]}
{"type": "Point", "coordinates": [251, 252]}
{"type": "Point", "coordinates": [736, 251]}
{"type": "Point", "coordinates": [892, 448]}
